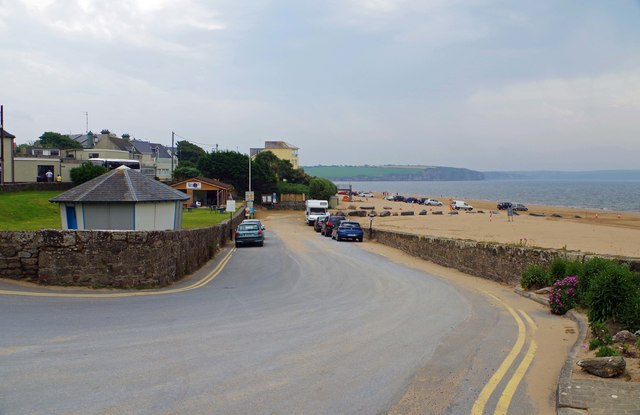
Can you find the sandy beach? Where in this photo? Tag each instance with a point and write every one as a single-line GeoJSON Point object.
{"type": "Point", "coordinates": [588, 231]}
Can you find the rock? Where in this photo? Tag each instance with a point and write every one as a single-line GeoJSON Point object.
{"type": "Point", "coordinates": [545, 290]}
{"type": "Point", "coordinates": [423, 212]}
{"type": "Point", "coordinates": [577, 217]}
{"type": "Point", "coordinates": [624, 336]}
{"type": "Point", "coordinates": [604, 367]}
{"type": "Point", "coordinates": [395, 214]}
{"type": "Point", "coordinates": [352, 207]}
{"type": "Point", "coordinates": [407, 213]}
{"type": "Point", "coordinates": [359, 213]}
{"type": "Point", "coordinates": [385, 213]}
{"type": "Point", "coordinates": [453, 212]}
{"type": "Point", "coordinates": [340, 213]}
{"type": "Point", "coordinates": [555, 215]}
{"type": "Point", "coordinates": [437, 212]}
{"type": "Point", "coordinates": [387, 208]}
{"type": "Point", "coordinates": [481, 211]}
{"type": "Point", "coordinates": [367, 207]}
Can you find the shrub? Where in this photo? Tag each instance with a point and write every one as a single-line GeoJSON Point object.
{"type": "Point", "coordinates": [574, 268]}
{"type": "Point", "coordinates": [590, 269]}
{"type": "Point", "coordinates": [563, 295]}
{"type": "Point", "coordinates": [558, 268]}
{"type": "Point", "coordinates": [611, 294]}
{"type": "Point", "coordinates": [630, 311]}
{"type": "Point", "coordinates": [600, 333]}
{"type": "Point", "coordinates": [86, 172]}
{"type": "Point", "coordinates": [606, 351]}
{"type": "Point", "coordinates": [535, 276]}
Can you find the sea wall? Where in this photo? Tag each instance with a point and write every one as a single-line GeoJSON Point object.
{"type": "Point", "coordinates": [118, 259]}
{"type": "Point", "coordinates": [498, 262]}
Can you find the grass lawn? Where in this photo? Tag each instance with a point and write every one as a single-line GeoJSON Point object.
{"type": "Point", "coordinates": [27, 211]}
{"type": "Point", "coordinates": [31, 210]}
{"type": "Point", "coordinates": [201, 218]}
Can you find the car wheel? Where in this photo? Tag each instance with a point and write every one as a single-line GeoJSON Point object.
{"type": "Point", "coordinates": [261, 243]}
{"type": "Point", "coordinates": [360, 240]}
{"type": "Point", "coordinates": [237, 245]}
{"type": "Point", "coordinates": [338, 238]}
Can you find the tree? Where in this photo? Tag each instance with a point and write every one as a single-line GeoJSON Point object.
{"type": "Point", "coordinates": [227, 166]}
{"type": "Point", "coordinates": [184, 173]}
{"type": "Point", "coordinates": [187, 151]}
{"type": "Point", "coordinates": [50, 139]}
{"type": "Point", "coordinates": [321, 189]}
{"type": "Point", "coordinates": [86, 172]}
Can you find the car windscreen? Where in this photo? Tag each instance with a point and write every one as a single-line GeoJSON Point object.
{"type": "Point", "coordinates": [248, 227]}
{"type": "Point", "coordinates": [353, 225]}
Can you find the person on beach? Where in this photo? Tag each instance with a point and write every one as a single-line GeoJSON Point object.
{"type": "Point", "coordinates": [510, 213]}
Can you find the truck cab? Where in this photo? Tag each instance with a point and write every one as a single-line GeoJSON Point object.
{"type": "Point", "coordinates": [314, 209]}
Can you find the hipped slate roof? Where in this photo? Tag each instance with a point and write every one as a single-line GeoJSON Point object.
{"type": "Point", "coordinates": [278, 144]}
{"type": "Point", "coordinates": [8, 134]}
{"type": "Point", "coordinates": [121, 185]}
{"type": "Point", "coordinates": [145, 147]}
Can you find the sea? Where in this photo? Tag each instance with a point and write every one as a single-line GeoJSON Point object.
{"type": "Point", "coordinates": [605, 194]}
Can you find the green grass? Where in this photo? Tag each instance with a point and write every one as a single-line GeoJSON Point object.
{"type": "Point", "coordinates": [202, 218]}
{"type": "Point", "coordinates": [31, 210]}
{"type": "Point", "coordinates": [351, 171]}
{"type": "Point", "coordinates": [27, 211]}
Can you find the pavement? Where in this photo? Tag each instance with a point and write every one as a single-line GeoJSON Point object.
{"type": "Point", "coordinates": [597, 396]}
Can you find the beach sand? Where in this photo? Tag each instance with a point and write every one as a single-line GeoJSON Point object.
{"type": "Point", "coordinates": [588, 231]}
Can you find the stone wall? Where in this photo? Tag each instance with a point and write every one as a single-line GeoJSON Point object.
{"type": "Point", "coordinates": [119, 259]}
{"type": "Point", "coordinates": [497, 262]}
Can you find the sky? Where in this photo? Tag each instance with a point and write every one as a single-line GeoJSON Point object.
{"type": "Point", "coordinates": [480, 84]}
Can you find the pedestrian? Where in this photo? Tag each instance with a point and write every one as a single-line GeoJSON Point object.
{"type": "Point", "coordinates": [510, 213]}
{"type": "Point", "coordinates": [49, 175]}
{"type": "Point", "coordinates": [58, 179]}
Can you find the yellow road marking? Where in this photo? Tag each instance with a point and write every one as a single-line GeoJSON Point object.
{"type": "Point", "coordinates": [198, 284]}
{"type": "Point", "coordinates": [481, 402]}
{"type": "Point", "coordinates": [510, 389]}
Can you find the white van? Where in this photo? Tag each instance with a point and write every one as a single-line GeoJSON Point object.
{"type": "Point", "coordinates": [460, 204]}
{"type": "Point", "coordinates": [313, 209]}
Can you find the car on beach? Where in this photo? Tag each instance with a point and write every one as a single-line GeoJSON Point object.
{"type": "Point", "coordinates": [430, 202]}
{"type": "Point", "coordinates": [411, 200]}
{"type": "Point", "coordinates": [366, 194]}
{"type": "Point", "coordinates": [348, 229]}
{"type": "Point", "coordinates": [249, 234]}
{"type": "Point", "coordinates": [461, 205]}
{"type": "Point", "coordinates": [504, 205]}
{"type": "Point", "coordinates": [520, 207]}
{"type": "Point", "coordinates": [398, 198]}
{"type": "Point", "coordinates": [330, 223]}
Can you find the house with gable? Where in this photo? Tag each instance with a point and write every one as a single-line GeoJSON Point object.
{"type": "Point", "coordinates": [281, 149]}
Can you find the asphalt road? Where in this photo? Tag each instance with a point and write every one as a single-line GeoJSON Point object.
{"type": "Point", "coordinates": [303, 326]}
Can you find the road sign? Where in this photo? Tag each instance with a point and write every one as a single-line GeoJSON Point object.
{"type": "Point", "coordinates": [249, 196]}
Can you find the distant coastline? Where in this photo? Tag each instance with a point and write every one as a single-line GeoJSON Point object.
{"type": "Point", "coordinates": [394, 173]}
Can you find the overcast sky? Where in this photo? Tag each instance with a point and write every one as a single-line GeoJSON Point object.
{"type": "Point", "coordinates": [487, 85]}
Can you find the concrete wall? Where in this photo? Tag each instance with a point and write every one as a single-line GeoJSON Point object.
{"type": "Point", "coordinates": [119, 259]}
{"type": "Point", "coordinates": [498, 262]}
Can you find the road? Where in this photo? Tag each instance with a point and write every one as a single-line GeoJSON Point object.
{"type": "Point", "coordinates": [303, 325]}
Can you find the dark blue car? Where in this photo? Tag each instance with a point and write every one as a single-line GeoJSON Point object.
{"type": "Point", "coordinates": [348, 229]}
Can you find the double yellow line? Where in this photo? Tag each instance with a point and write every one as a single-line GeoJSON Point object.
{"type": "Point", "coordinates": [511, 387]}
{"type": "Point", "coordinates": [198, 284]}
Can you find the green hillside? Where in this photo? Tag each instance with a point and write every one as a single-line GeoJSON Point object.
{"type": "Point", "coordinates": [346, 172]}
{"type": "Point", "coordinates": [393, 173]}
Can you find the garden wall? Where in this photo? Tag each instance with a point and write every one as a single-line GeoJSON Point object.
{"type": "Point", "coordinates": [19, 187]}
{"type": "Point", "coordinates": [493, 261]}
{"type": "Point", "coordinates": [119, 259]}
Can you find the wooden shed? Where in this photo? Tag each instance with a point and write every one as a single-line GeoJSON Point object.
{"type": "Point", "coordinates": [122, 199]}
{"type": "Point", "coordinates": [206, 191]}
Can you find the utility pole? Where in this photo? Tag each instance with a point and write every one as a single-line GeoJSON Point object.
{"type": "Point", "coordinates": [2, 144]}
{"type": "Point", "coordinates": [86, 130]}
{"type": "Point", "coordinates": [173, 151]}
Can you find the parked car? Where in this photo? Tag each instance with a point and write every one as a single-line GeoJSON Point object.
{"type": "Point", "coordinates": [461, 205]}
{"type": "Point", "coordinates": [348, 229]}
{"type": "Point", "coordinates": [366, 194]}
{"type": "Point", "coordinates": [390, 197]}
{"type": "Point", "coordinates": [398, 198]}
{"type": "Point", "coordinates": [249, 234]}
{"type": "Point", "coordinates": [504, 205]}
{"type": "Point", "coordinates": [431, 202]}
{"type": "Point", "coordinates": [411, 200]}
{"type": "Point", "coordinates": [257, 222]}
{"type": "Point", "coordinates": [317, 226]}
{"type": "Point", "coordinates": [330, 223]}
{"type": "Point", "coordinates": [520, 207]}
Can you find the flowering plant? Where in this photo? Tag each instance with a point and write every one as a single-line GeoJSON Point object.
{"type": "Point", "coordinates": [562, 297]}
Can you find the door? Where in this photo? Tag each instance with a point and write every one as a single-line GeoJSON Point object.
{"type": "Point", "coordinates": [72, 223]}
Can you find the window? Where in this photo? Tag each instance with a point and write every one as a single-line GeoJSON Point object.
{"type": "Point", "coordinates": [94, 155]}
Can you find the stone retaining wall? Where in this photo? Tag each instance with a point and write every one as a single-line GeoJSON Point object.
{"type": "Point", "coordinates": [118, 259]}
{"type": "Point", "coordinates": [493, 261]}
{"type": "Point", "coordinates": [19, 187]}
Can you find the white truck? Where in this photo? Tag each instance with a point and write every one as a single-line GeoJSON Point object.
{"type": "Point", "coordinates": [315, 208]}
{"type": "Point", "coordinates": [461, 204]}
